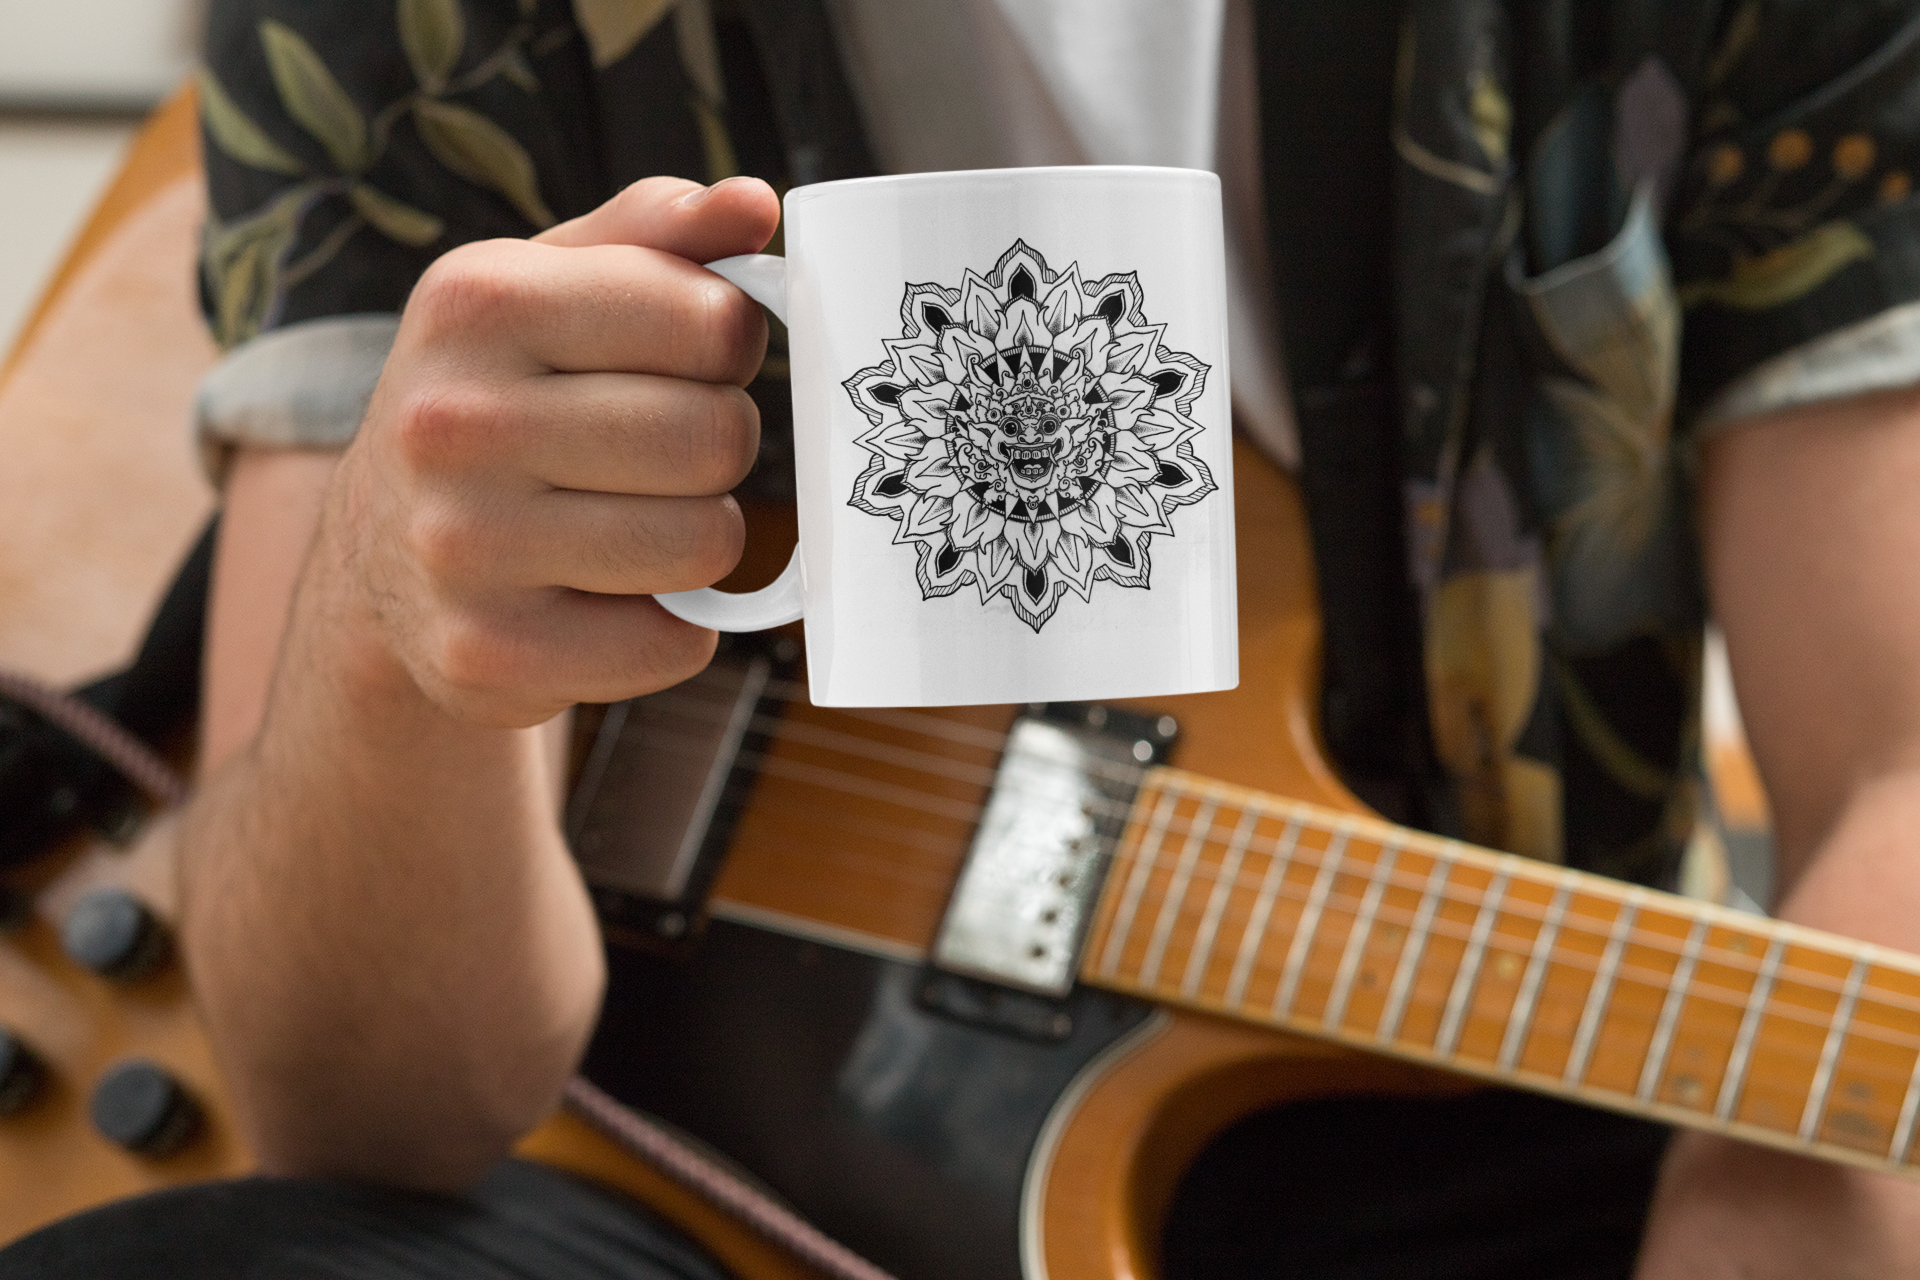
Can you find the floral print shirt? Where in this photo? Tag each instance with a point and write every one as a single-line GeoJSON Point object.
{"type": "Point", "coordinates": [1613, 227]}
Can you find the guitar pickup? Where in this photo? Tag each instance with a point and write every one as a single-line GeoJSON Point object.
{"type": "Point", "coordinates": [1066, 781]}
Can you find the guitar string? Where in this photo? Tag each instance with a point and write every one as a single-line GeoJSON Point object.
{"type": "Point", "coordinates": [1551, 1003]}
{"type": "Point", "coordinates": [1621, 1017]}
{"type": "Point", "coordinates": [1517, 908]}
{"type": "Point", "coordinates": [1711, 993]}
{"type": "Point", "coordinates": [962, 811]}
{"type": "Point", "coordinates": [1736, 959]}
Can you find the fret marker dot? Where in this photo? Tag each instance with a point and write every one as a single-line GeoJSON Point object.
{"type": "Point", "coordinates": [1688, 1090]}
{"type": "Point", "coordinates": [1507, 966]}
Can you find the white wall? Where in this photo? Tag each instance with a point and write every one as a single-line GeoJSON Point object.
{"type": "Point", "coordinates": [94, 53]}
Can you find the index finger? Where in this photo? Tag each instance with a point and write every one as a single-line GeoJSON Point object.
{"type": "Point", "coordinates": [610, 308]}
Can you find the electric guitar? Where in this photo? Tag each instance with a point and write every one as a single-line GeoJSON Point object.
{"type": "Point", "coordinates": [997, 932]}
{"type": "Point", "coordinates": [970, 988]}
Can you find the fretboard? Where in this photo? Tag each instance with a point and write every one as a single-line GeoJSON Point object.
{"type": "Point", "coordinates": [1290, 915]}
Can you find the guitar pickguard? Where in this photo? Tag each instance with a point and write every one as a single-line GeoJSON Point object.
{"type": "Point", "coordinates": [818, 1069]}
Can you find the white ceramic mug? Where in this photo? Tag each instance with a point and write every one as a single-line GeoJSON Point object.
{"type": "Point", "coordinates": [1012, 438]}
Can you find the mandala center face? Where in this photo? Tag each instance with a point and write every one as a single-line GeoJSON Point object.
{"type": "Point", "coordinates": [1028, 442]}
{"type": "Point", "coordinates": [1032, 421]}
{"type": "Point", "coordinates": [1031, 432]}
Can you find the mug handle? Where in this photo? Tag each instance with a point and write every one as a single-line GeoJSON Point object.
{"type": "Point", "coordinates": [763, 278]}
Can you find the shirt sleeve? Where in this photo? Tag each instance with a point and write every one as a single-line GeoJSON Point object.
{"type": "Point", "coordinates": [347, 146]}
{"type": "Point", "coordinates": [1795, 232]}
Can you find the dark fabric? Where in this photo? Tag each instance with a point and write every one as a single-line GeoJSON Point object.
{"type": "Point", "coordinates": [523, 1222]}
{"type": "Point", "coordinates": [1543, 431]}
{"type": "Point", "coordinates": [1493, 1185]}
{"type": "Point", "coordinates": [1327, 167]}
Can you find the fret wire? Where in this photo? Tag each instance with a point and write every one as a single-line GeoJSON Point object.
{"type": "Point", "coordinates": [1909, 1107]}
{"type": "Point", "coordinates": [1323, 967]}
{"type": "Point", "coordinates": [1670, 1012]}
{"type": "Point", "coordinates": [1336, 1010]}
{"type": "Point", "coordinates": [1601, 993]}
{"type": "Point", "coordinates": [1647, 976]}
{"type": "Point", "coordinates": [1830, 1052]}
{"type": "Point", "coordinates": [1415, 948]}
{"type": "Point", "coordinates": [1256, 930]}
{"type": "Point", "coordinates": [1137, 882]}
{"type": "Point", "coordinates": [1893, 1038]}
{"type": "Point", "coordinates": [1736, 1074]}
{"type": "Point", "coordinates": [1223, 886]}
{"type": "Point", "coordinates": [1176, 895]}
{"type": "Point", "coordinates": [1276, 806]}
{"type": "Point", "coordinates": [1657, 942]}
{"type": "Point", "coordinates": [1308, 925]}
{"type": "Point", "coordinates": [1520, 1016]}
{"type": "Point", "coordinates": [1651, 977]}
{"type": "Point", "coordinates": [1469, 972]}
{"type": "Point", "coordinates": [939, 727]}
{"type": "Point", "coordinates": [1328, 822]}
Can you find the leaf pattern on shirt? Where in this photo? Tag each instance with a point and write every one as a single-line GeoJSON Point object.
{"type": "Point", "coordinates": [246, 259]}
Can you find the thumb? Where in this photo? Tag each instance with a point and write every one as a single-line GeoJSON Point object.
{"type": "Point", "coordinates": [679, 217]}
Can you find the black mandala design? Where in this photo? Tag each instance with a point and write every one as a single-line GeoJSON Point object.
{"type": "Point", "coordinates": [1031, 433]}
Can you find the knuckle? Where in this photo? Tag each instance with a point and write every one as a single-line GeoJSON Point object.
{"type": "Point", "coordinates": [696, 542]}
{"type": "Point", "coordinates": [669, 650]}
{"type": "Point", "coordinates": [720, 536]}
{"type": "Point", "coordinates": [473, 285]}
{"type": "Point", "coordinates": [442, 543]}
{"type": "Point", "coordinates": [640, 200]}
{"type": "Point", "coordinates": [474, 659]}
{"type": "Point", "coordinates": [440, 425]}
{"type": "Point", "coordinates": [720, 440]}
{"type": "Point", "coordinates": [729, 330]}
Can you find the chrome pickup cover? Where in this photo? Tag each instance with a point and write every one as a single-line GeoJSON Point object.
{"type": "Point", "coordinates": [1066, 780]}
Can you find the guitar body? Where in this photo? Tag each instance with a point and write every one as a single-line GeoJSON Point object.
{"type": "Point", "coordinates": [791, 1039]}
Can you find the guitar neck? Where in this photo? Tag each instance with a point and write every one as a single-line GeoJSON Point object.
{"type": "Point", "coordinates": [1267, 910]}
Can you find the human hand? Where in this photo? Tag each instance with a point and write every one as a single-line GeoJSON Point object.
{"type": "Point", "coordinates": [1727, 1210]}
{"type": "Point", "coordinates": [552, 442]}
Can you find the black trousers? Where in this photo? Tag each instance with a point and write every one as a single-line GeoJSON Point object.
{"type": "Point", "coordinates": [1481, 1187]}
{"type": "Point", "coordinates": [523, 1222]}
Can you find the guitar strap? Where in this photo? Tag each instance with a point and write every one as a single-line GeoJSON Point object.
{"type": "Point", "coordinates": [50, 781]}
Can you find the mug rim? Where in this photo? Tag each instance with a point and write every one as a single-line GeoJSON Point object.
{"type": "Point", "coordinates": [812, 190]}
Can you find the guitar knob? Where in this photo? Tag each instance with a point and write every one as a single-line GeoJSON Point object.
{"type": "Point", "coordinates": [114, 934]}
{"type": "Point", "coordinates": [21, 1073]}
{"type": "Point", "coordinates": [139, 1106]}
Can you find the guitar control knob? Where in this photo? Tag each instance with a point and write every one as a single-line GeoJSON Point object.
{"type": "Point", "coordinates": [21, 1073]}
{"type": "Point", "coordinates": [114, 934]}
{"type": "Point", "coordinates": [139, 1106]}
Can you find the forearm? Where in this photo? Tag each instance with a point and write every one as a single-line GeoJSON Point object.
{"type": "Point", "coordinates": [1808, 524]}
{"type": "Point", "coordinates": [394, 953]}
{"type": "Point", "coordinates": [396, 956]}
{"type": "Point", "coordinates": [1729, 1209]}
